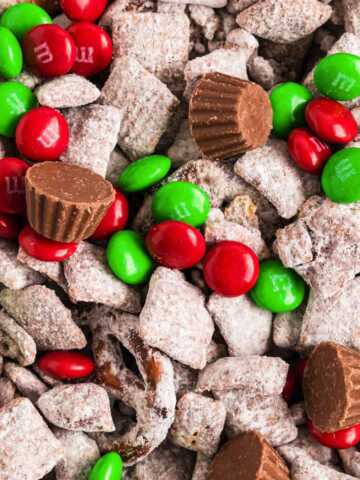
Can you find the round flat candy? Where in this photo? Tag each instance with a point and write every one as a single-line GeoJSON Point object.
{"type": "Point", "coordinates": [308, 152]}
{"type": "Point", "coordinates": [144, 173]}
{"type": "Point", "coordinates": [11, 58]}
{"type": "Point", "coordinates": [10, 226]}
{"type": "Point", "coordinates": [15, 100]}
{"type": "Point", "coordinates": [12, 185]}
{"type": "Point", "coordinates": [108, 467]}
{"type": "Point", "coordinates": [66, 365]}
{"type": "Point", "coordinates": [115, 218]}
{"type": "Point", "coordinates": [23, 17]}
{"type": "Point", "coordinates": [83, 10]}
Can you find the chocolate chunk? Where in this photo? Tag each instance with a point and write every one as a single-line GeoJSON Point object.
{"type": "Point", "coordinates": [248, 457]}
{"type": "Point", "coordinates": [66, 203]}
{"type": "Point", "coordinates": [229, 116]}
{"type": "Point", "coordinates": [331, 387]}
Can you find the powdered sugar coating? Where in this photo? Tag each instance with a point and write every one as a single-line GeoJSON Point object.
{"type": "Point", "coordinates": [350, 458]}
{"type": "Point", "coordinates": [308, 469]}
{"type": "Point", "coordinates": [117, 163]}
{"type": "Point", "coordinates": [208, 3]}
{"type": "Point", "coordinates": [15, 343]}
{"type": "Point", "coordinates": [28, 384]}
{"type": "Point", "coordinates": [7, 391]}
{"type": "Point", "coordinates": [287, 328]}
{"type": "Point", "coordinates": [184, 147]}
{"type": "Point", "coordinates": [202, 466]}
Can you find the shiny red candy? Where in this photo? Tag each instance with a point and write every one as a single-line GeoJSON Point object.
{"type": "Point", "coordinates": [115, 218]}
{"type": "Point", "coordinates": [93, 48]}
{"type": "Point", "coordinates": [331, 121]}
{"type": "Point", "coordinates": [83, 10]}
{"type": "Point", "coordinates": [12, 185]}
{"type": "Point", "coordinates": [290, 385]}
{"type": "Point", "coordinates": [346, 438]}
{"type": "Point", "coordinates": [44, 249]}
{"type": "Point", "coordinates": [49, 50]}
{"type": "Point", "coordinates": [65, 365]}
{"type": "Point", "coordinates": [42, 134]}
{"type": "Point", "coordinates": [175, 244]}
{"type": "Point", "coordinates": [10, 226]}
{"type": "Point", "coordinates": [307, 151]}
{"type": "Point", "coordinates": [231, 268]}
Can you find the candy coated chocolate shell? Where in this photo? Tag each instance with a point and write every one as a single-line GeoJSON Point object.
{"type": "Point", "coordinates": [229, 116]}
{"type": "Point", "coordinates": [65, 202]}
{"type": "Point", "coordinates": [331, 387]}
{"type": "Point", "coordinates": [248, 457]}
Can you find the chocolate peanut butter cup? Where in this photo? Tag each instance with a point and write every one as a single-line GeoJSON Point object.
{"type": "Point", "coordinates": [248, 457]}
{"type": "Point", "coordinates": [229, 116]}
{"type": "Point", "coordinates": [65, 202]}
{"type": "Point", "coordinates": [332, 387]}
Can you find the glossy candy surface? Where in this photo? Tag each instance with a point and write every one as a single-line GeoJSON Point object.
{"type": "Point", "coordinates": [44, 249]}
{"type": "Point", "coordinates": [66, 365]}
{"type": "Point", "coordinates": [10, 226]}
{"type": "Point", "coordinates": [338, 76]}
{"type": "Point", "coordinates": [307, 151]}
{"type": "Point", "coordinates": [128, 258]}
{"type": "Point", "coordinates": [11, 58]}
{"type": "Point", "coordinates": [49, 50]}
{"type": "Point", "coordinates": [83, 10]}
{"type": "Point", "coordinates": [15, 100]}
{"type": "Point", "coordinates": [93, 48]}
{"type": "Point", "coordinates": [346, 438]}
{"type": "Point", "coordinates": [42, 134]}
{"type": "Point", "coordinates": [144, 173]}
{"type": "Point", "coordinates": [175, 244]}
{"type": "Point", "coordinates": [288, 101]}
{"type": "Point", "coordinates": [108, 467]}
{"type": "Point", "coordinates": [12, 185]}
{"type": "Point", "coordinates": [181, 201]}
{"type": "Point", "coordinates": [230, 268]}
{"type": "Point", "coordinates": [331, 121]}
{"type": "Point", "coordinates": [115, 218]}
{"type": "Point", "coordinates": [278, 289]}
{"type": "Point", "coordinates": [340, 179]}
{"type": "Point", "coordinates": [23, 17]}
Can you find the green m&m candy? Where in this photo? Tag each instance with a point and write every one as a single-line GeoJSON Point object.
{"type": "Point", "coordinates": [11, 57]}
{"type": "Point", "coordinates": [278, 289]}
{"type": "Point", "coordinates": [182, 201]}
{"type": "Point", "coordinates": [338, 76]}
{"type": "Point", "coordinates": [144, 172]}
{"type": "Point", "coordinates": [340, 179]}
{"type": "Point", "coordinates": [128, 259]}
{"type": "Point", "coordinates": [108, 467]}
{"type": "Point", "coordinates": [23, 17]}
{"type": "Point", "coordinates": [15, 100]}
{"type": "Point", "coordinates": [289, 101]}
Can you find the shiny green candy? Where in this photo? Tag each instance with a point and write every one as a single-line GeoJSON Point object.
{"type": "Point", "coordinates": [128, 259]}
{"type": "Point", "coordinates": [340, 179]}
{"type": "Point", "coordinates": [338, 76]}
{"type": "Point", "coordinates": [15, 100]}
{"type": "Point", "coordinates": [181, 201]}
{"type": "Point", "coordinates": [278, 289]}
{"type": "Point", "coordinates": [289, 101]}
{"type": "Point", "coordinates": [23, 17]}
{"type": "Point", "coordinates": [144, 172]}
{"type": "Point", "coordinates": [108, 467]}
{"type": "Point", "coordinates": [11, 58]}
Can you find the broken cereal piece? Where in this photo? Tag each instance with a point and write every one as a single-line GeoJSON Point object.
{"type": "Point", "coordinates": [184, 147]}
{"type": "Point", "coordinates": [7, 391]}
{"type": "Point", "coordinates": [287, 329]}
{"type": "Point", "coordinates": [304, 468]}
{"type": "Point", "coordinates": [15, 343]}
{"type": "Point", "coordinates": [28, 384]}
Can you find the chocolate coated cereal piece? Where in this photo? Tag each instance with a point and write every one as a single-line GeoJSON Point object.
{"type": "Point", "coordinates": [118, 7]}
{"type": "Point", "coordinates": [307, 469]}
{"type": "Point", "coordinates": [28, 384]}
{"type": "Point", "coordinates": [183, 337]}
{"type": "Point", "coordinates": [199, 422]}
{"type": "Point", "coordinates": [7, 391]}
{"type": "Point", "coordinates": [287, 329]}
{"type": "Point", "coordinates": [206, 18]}
{"type": "Point", "coordinates": [28, 449]}
{"type": "Point", "coordinates": [184, 147]}
{"type": "Point", "coordinates": [284, 21]}
{"type": "Point", "coordinates": [81, 407]}
{"type": "Point", "coordinates": [15, 343]}
{"type": "Point", "coordinates": [14, 274]}
{"type": "Point", "coordinates": [185, 378]}
{"type": "Point", "coordinates": [352, 16]}
{"type": "Point", "coordinates": [265, 72]}
{"type": "Point", "coordinates": [117, 163]}
{"type": "Point", "coordinates": [93, 136]}
{"type": "Point", "coordinates": [90, 280]}
{"type": "Point", "coordinates": [40, 312]}
{"type": "Point", "coordinates": [245, 328]}
{"type": "Point", "coordinates": [350, 458]}
{"type": "Point", "coordinates": [145, 103]}
{"type": "Point", "coordinates": [201, 469]}
{"type": "Point", "coordinates": [80, 454]}
{"type": "Point", "coordinates": [67, 91]}
{"type": "Point", "coordinates": [208, 3]}
{"type": "Point", "coordinates": [298, 414]}
{"type": "Point", "coordinates": [260, 375]}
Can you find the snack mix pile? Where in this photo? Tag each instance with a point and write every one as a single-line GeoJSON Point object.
{"type": "Point", "coordinates": [180, 240]}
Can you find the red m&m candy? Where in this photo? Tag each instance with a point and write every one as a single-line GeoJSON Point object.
{"type": "Point", "coordinates": [44, 249]}
{"type": "Point", "coordinates": [12, 185]}
{"type": "Point", "coordinates": [115, 218]}
{"type": "Point", "coordinates": [93, 48]}
{"type": "Point", "coordinates": [42, 134]}
{"type": "Point", "coordinates": [331, 121]}
{"type": "Point", "coordinates": [308, 152]}
{"type": "Point", "coordinates": [175, 244]}
{"type": "Point", "coordinates": [49, 50]}
{"type": "Point", "coordinates": [83, 10]}
{"type": "Point", "coordinates": [346, 438]}
{"type": "Point", "coordinates": [10, 226]}
{"type": "Point", "coordinates": [231, 268]}
{"type": "Point", "coordinates": [66, 365]}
